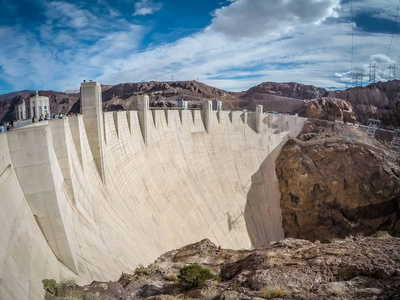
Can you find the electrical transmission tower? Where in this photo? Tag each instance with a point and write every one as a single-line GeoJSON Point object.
{"type": "Point", "coordinates": [372, 73]}
{"type": "Point", "coordinates": [392, 72]}
{"type": "Point", "coordinates": [373, 126]}
{"type": "Point", "coordinates": [394, 147]}
{"type": "Point", "coordinates": [358, 78]}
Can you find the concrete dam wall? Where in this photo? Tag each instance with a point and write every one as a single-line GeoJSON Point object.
{"type": "Point", "coordinates": [91, 196]}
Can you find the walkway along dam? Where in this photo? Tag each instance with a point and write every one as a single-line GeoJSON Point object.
{"type": "Point", "coordinates": [91, 196]}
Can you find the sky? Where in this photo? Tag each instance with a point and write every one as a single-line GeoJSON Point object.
{"type": "Point", "coordinates": [232, 45]}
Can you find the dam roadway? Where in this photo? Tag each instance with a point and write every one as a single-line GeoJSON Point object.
{"type": "Point", "coordinates": [91, 196]}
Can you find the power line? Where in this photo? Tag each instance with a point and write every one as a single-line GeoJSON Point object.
{"type": "Point", "coordinates": [352, 39]}
{"type": "Point", "coordinates": [391, 40]}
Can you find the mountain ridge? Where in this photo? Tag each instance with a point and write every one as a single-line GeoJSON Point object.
{"type": "Point", "coordinates": [379, 100]}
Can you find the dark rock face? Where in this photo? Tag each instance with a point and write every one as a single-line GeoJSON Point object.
{"type": "Point", "coordinates": [377, 101]}
{"type": "Point", "coordinates": [355, 268]}
{"type": "Point", "coordinates": [249, 263]}
{"type": "Point", "coordinates": [9, 101]}
{"type": "Point", "coordinates": [337, 190]}
{"type": "Point", "coordinates": [7, 107]}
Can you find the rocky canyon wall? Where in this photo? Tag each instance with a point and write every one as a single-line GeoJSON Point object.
{"type": "Point", "coordinates": [337, 190]}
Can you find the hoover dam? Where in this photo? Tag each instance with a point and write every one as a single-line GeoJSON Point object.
{"type": "Point", "coordinates": [90, 196]}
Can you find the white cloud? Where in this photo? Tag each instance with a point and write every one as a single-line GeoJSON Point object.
{"type": "Point", "coordinates": [252, 18]}
{"type": "Point", "coordinates": [60, 57]}
{"type": "Point", "coordinates": [382, 59]}
{"type": "Point", "coordinates": [146, 7]}
{"type": "Point", "coordinates": [65, 14]}
{"type": "Point", "coordinates": [314, 52]}
{"type": "Point", "coordinates": [22, 60]}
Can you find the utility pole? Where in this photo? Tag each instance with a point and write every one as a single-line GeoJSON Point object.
{"type": "Point", "coordinates": [392, 72]}
{"type": "Point", "coordinates": [358, 78]}
{"type": "Point", "coordinates": [372, 73]}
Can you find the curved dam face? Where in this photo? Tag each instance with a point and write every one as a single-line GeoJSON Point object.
{"type": "Point", "coordinates": [91, 196]}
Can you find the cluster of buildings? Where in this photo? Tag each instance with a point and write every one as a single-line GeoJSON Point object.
{"type": "Point", "coordinates": [39, 107]}
{"type": "Point", "coordinates": [216, 104]}
{"type": "Point", "coordinates": [36, 107]}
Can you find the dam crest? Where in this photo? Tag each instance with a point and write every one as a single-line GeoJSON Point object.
{"type": "Point", "coordinates": [90, 196]}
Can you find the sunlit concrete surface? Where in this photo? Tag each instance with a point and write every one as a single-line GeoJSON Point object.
{"type": "Point", "coordinates": [91, 196]}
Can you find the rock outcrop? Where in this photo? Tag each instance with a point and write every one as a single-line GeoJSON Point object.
{"type": "Point", "coordinates": [355, 268]}
{"type": "Point", "coordinates": [279, 97]}
{"type": "Point", "coordinates": [287, 89]}
{"type": "Point", "coordinates": [337, 190]}
{"type": "Point", "coordinates": [328, 109]}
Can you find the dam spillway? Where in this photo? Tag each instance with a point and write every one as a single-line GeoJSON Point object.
{"type": "Point", "coordinates": [91, 196]}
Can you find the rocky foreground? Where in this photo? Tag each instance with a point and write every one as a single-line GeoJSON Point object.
{"type": "Point", "coordinates": [353, 268]}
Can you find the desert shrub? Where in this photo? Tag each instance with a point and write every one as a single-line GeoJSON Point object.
{"type": "Point", "coordinates": [205, 275]}
{"type": "Point", "coordinates": [338, 290]}
{"type": "Point", "coordinates": [51, 286]}
{"type": "Point", "coordinates": [177, 297]}
{"type": "Point", "coordinates": [90, 296]}
{"type": "Point", "coordinates": [382, 234]}
{"type": "Point", "coordinates": [188, 275]}
{"type": "Point", "coordinates": [195, 276]}
{"type": "Point", "coordinates": [171, 277]}
{"type": "Point", "coordinates": [273, 292]}
{"type": "Point", "coordinates": [209, 293]}
{"type": "Point", "coordinates": [141, 271]}
{"type": "Point", "coordinates": [271, 260]}
{"type": "Point", "coordinates": [360, 236]}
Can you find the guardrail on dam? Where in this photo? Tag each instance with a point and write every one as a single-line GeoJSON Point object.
{"type": "Point", "coordinates": [91, 196]}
